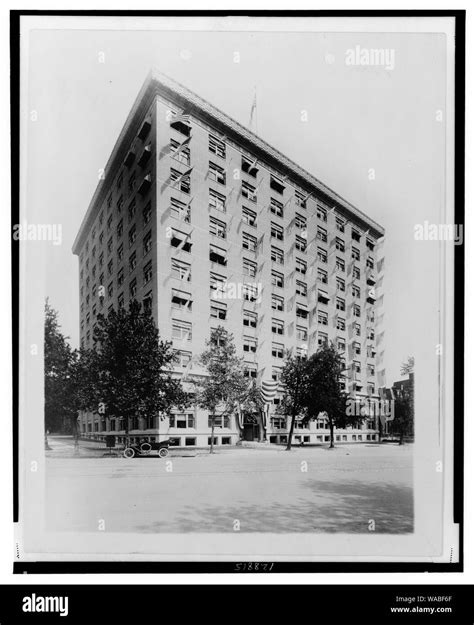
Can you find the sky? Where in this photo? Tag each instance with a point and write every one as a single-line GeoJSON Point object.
{"type": "Point", "coordinates": [358, 118]}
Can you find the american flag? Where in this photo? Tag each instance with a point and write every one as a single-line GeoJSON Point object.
{"type": "Point", "coordinates": [268, 389]}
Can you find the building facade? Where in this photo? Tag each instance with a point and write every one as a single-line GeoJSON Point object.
{"type": "Point", "coordinates": [206, 224]}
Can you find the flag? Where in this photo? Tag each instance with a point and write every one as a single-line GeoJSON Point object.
{"type": "Point", "coordinates": [253, 114]}
{"type": "Point", "coordinates": [268, 389]}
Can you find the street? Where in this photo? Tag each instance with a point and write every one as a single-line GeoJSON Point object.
{"type": "Point", "coordinates": [271, 490]}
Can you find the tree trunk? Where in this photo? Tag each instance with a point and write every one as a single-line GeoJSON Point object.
{"type": "Point", "coordinates": [261, 431]}
{"type": "Point", "coordinates": [292, 427]}
{"type": "Point", "coordinates": [331, 434]}
{"type": "Point", "coordinates": [401, 437]}
{"type": "Point", "coordinates": [211, 450]}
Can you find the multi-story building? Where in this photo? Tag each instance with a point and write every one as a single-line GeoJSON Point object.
{"type": "Point", "coordinates": [207, 225]}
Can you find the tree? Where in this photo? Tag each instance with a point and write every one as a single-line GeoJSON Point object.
{"type": "Point", "coordinates": [294, 380]}
{"type": "Point", "coordinates": [225, 384]}
{"type": "Point", "coordinates": [132, 367]}
{"type": "Point", "coordinates": [324, 394]}
{"type": "Point", "coordinates": [404, 400]}
{"type": "Point", "coordinates": [408, 366]}
{"type": "Point", "coordinates": [58, 359]}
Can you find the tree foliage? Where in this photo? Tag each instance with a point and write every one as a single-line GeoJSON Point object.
{"type": "Point", "coordinates": [58, 360]}
{"type": "Point", "coordinates": [224, 387]}
{"type": "Point", "coordinates": [130, 367]}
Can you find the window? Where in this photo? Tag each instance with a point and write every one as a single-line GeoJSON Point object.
{"type": "Point", "coordinates": [249, 268]}
{"type": "Point", "coordinates": [278, 423]}
{"type": "Point", "coordinates": [340, 224]}
{"type": "Point", "coordinates": [301, 288]}
{"type": "Point", "coordinates": [101, 237]}
{"type": "Point", "coordinates": [182, 360]}
{"type": "Point", "coordinates": [301, 333]}
{"type": "Point", "coordinates": [182, 421]}
{"type": "Point", "coordinates": [277, 255]}
{"type": "Point", "coordinates": [322, 338]}
{"type": "Point", "coordinates": [180, 210]}
{"type": "Point", "coordinates": [249, 319]}
{"type": "Point", "coordinates": [181, 330]}
{"type": "Point", "coordinates": [216, 282]}
{"type": "Point", "coordinates": [180, 270]}
{"type": "Point", "coordinates": [147, 241]}
{"type": "Point", "coordinates": [250, 292]}
{"type": "Point", "coordinates": [147, 272]}
{"type": "Point", "coordinates": [355, 235]}
{"type": "Point", "coordinates": [217, 255]}
{"type": "Point", "coordinates": [189, 442]}
{"type": "Point", "coordinates": [218, 310]}
{"type": "Point", "coordinates": [356, 310]}
{"type": "Point", "coordinates": [300, 266]}
{"type": "Point", "coordinates": [277, 279]}
{"type": "Point", "coordinates": [277, 303]}
{"type": "Point", "coordinates": [356, 272]}
{"type": "Point", "coordinates": [340, 264]}
{"type": "Point", "coordinates": [181, 240]}
{"type": "Point", "coordinates": [181, 300]}
{"type": "Point", "coordinates": [101, 259]}
{"type": "Point", "coordinates": [220, 421]}
{"type": "Point", "coordinates": [370, 334]}
{"type": "Point", "coordinates": [322, 317]}
{"type": "Point", "coordinates": [110, 268]}
{"type": "Point", "coordinates": [340, 245]}
{"type": "Point", "coordinates": [120, 204]}
{"type": "Point", "coordinates": [249, 216]}
{"type": "Point", "coordinates": [277, 185]}
{"type": "Point", "coordinates": [322, 276]}
{"type": "Point", "coordinates": [121, 301]}
{"type": "Point", "coordinates": [340, 284]}
{"type": "Point", "coordinates": [300, 243]}
{"type": "Point", "coordinates": [131, 183]}
{"type": "Point", "coordinates": [355, 253]}
{"type": "Point", "coordinates": [322, 234]}
{"type": "Point", "coordinates": [181, 124]}
{"type": "Point", "coordinates": [341, 344]}
{"type": "Point", "coordinates": [250, 344]}
{"type": "Point", "coordinates": [276, 207]}
{"type": "Point", "coordinates": [321, 213]}
{"type": "Point", "coordinates": [110, 289]}
{"type": "Point", "coordinates": [341, 323]}
{"type": "Point", "coordinates": [120, 277]}
{"type": "Point", "coordinates": [180, 152]}
{"type": "Point", "coordinates": [340, 304]}
{"type": "Point", "coordinates": [132, 261]}
{"type": "Point", "coordinates": [147, 213]}
{"type": "Point", "coordinates": [249, 191]}
{"type": "Point", "coordinates": [357, 329]}
{"type": "Point", "coordinates": [249, 166]}
{"type": "Point", "coordinates": [249, 242]}
{"type": "Point", "coordinates": [277, 350]}
{"type": "Point", "coordinates": [355, 291]}
{"type": "Point", "coordinates": [322, 255]}
{"type": "Point", "coordinates": [370, 262]}
{"type": "Point", "coordinates": [371, 370]}
{"type": "Point", "coordinates": [370, 244]}
{"type": "Point", "coordinates": [276, 231]}
{"type": "Point", "coordinates": [182, 182]}
{"type": "Point", "coordinates": [278, 326]}
{"type": "Point", "coordinates": [216, 146]}
{"type": "Point", "coordinates": [132, 236]}
{"type": "Point", "coordinates": [109, 223]}
{"type": "Point", "coordinates": [371, 353]}
{"type": "Point", "coordinates": [356, 366]}
{"type": "Point", "coordinates": [356, 348]}
{"type": "Point", "coordinates": [300, 222]}
{"type": "Point", "coordinates": [300, 199]}
{"type": "Point", "coordinates": [217, 228]}
{"type": "Point", "coordinates": [250, 370]}
{"type": "Point", "coordinates": [133, 288]}
{"type": "Point", "coordinates": [216, 200]}
{"type": "Point", "coordinates": [120, 181]}
{"type": "Point", "coordinates": [216, 173]}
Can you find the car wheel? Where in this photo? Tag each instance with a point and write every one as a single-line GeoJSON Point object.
{"type": "Point", "coordinates": [129, 452]}
{"type": "Point", "coordinates": [163, 452]}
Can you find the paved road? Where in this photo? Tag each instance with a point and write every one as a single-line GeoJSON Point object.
{"type": "Point", "coordinates": [267, 490]}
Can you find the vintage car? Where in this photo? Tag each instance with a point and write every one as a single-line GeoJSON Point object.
{"type": "Point", "coordinates": [147, 448]}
